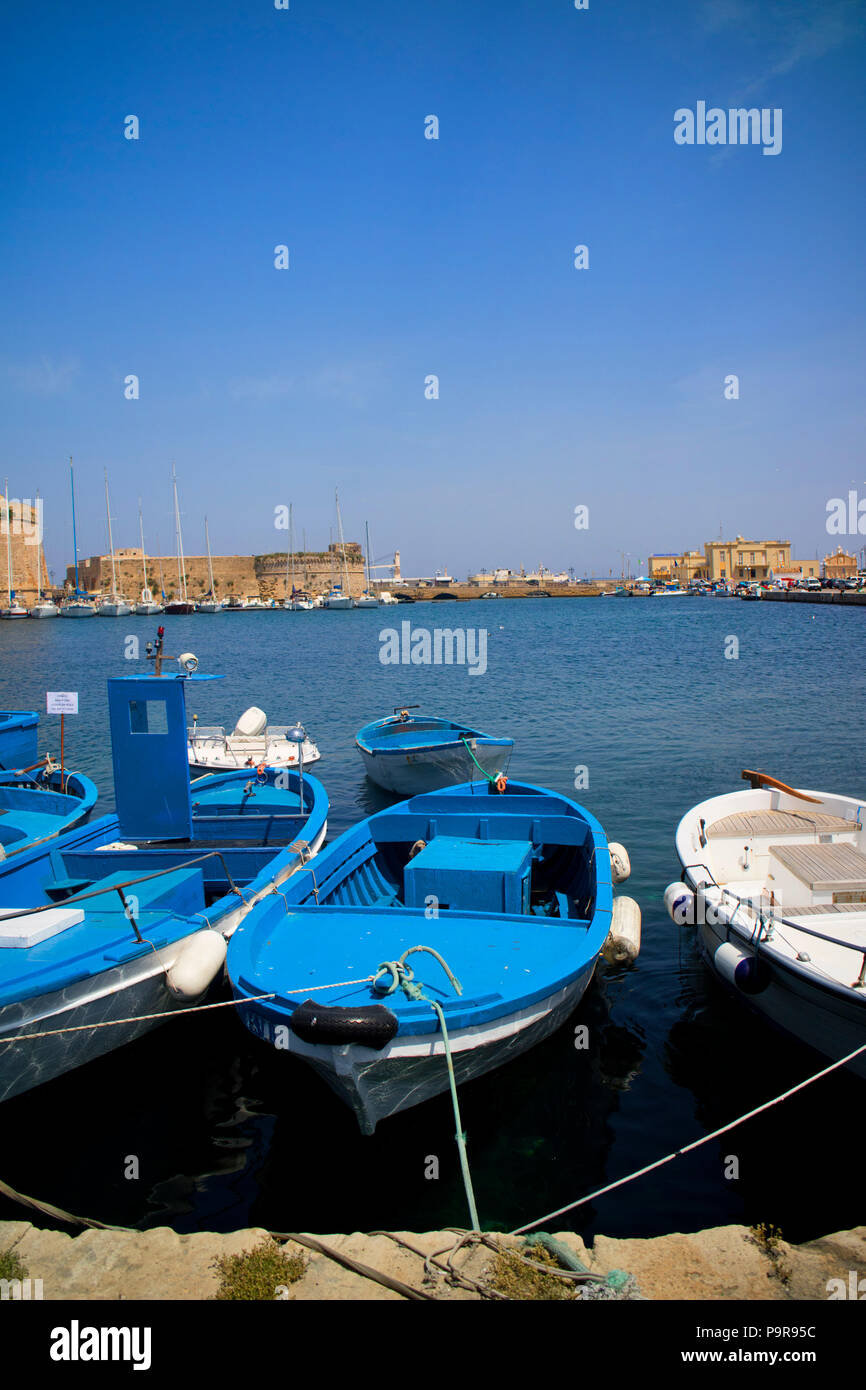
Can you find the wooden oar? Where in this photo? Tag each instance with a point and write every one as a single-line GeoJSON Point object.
{"type": "Point", "coordinates": [761, 779]}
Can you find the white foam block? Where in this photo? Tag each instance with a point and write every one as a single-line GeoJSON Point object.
{"type": "Point", "coordinates": [20, 932]}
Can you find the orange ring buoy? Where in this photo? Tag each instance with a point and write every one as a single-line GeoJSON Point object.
{"type": "Point", "coordinates": [501, 782]}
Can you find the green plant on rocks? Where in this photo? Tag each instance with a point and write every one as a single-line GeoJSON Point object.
{"type": "Point", "coordinates": [768, 1239]}
{"type": "Point", "coordinates": [509, 1274]}
{"type": "Point", "coordinates": [259, 1273]}
{"type": "Point", "coordinates": [11, 1266]}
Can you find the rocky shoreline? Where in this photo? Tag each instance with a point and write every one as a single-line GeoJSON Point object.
{"type": "Point", "coordinates": [725, 1263]}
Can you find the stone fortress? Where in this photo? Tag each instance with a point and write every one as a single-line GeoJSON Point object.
{"type": "Point", "coordinates": [235, 576]}
{"type": "Point", "coordinates": [19, 532]}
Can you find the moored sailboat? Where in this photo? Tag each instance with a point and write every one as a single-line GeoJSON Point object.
{"type": "Point", "coordinates": [210, 603]}
{"type": "Point", "coordinates": [147, 606]}
{"type": "Point", "coordinates": [182, 604]}
{"type": "Point", "coordinates": [115, 606]}
{"type": "Point", "coordinates": [78, 605]}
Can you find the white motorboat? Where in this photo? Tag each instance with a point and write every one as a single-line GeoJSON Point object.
{"type": "Point", "coordinates": [774, 880]}
{"type": "Point", "coordinates": [252, 742]}
{"type": "Point", "coordinates": [301, 603]}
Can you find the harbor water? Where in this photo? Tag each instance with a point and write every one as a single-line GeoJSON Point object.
{"type": "Point", "coordinates": [649, 707]}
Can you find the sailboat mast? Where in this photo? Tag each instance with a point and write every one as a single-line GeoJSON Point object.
{"type": "Point", "coordinates": [209, 561]}
{"type": "Point", "coordinates": [367, 535]}
{"type": "Point", "coordinates": [181, 568]}
{"type": "Point", "coordinates": [38, 552]}
{"type": "Point", "coordinates": [141, 536]}
{"type": "Point", "coordinates": [110, 540]}
{"type": "Point", "coordinates": [74, 535]}
{"type": "Point", "coordinates": [342, 543]}
{"type": "Point", "coordinates": [292, 544]}
{"type": "Point", "coordinates": [8, 540]}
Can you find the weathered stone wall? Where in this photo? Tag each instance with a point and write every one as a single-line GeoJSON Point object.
{"type": "Point", "coordinates": [240, 576]}
{"type": "Point", "coordinates": [20, 521]}
{"type": "Point", "coordinates": [725, 1263]}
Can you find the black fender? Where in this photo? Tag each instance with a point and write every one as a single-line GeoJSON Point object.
{"type": "Point", "coordinates": [371, 1026]}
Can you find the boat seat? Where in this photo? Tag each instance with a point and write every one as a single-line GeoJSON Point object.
{"type": "Point", "coordinates": [181, 892]}
{"type": "Point", "coordinates": [779, 823]}
{"type": "Point", "coordinates": [824, 868]}
{"type": "Point", "coordinates": [61, 888]}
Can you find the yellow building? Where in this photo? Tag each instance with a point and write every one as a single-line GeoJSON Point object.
{"type": "Point", "coordinates": [691, 564]}
{"type": "Point", "coordinates": [840, 565]}
{"type": "Point", "coordinates": [724, 560]}
{"type": "Point", "coordinates": [741, 559]}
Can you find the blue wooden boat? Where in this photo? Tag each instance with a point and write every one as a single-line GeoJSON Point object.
{"type": "Point", "coordinates": [37, 799]}
{"type": "Point", "coordinates": [409, 754]}
{"type": "Point", "coordinates": [36, 806]}
{"type": "Point", "coordinates": [19, 733]}
{"type": "Point", "coordinates": [128, 916]}
{"type": "Point", "coordinates": [499, 903]}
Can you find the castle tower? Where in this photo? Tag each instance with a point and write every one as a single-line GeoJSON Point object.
{"type": "Point", "coordinates": [21, 522]}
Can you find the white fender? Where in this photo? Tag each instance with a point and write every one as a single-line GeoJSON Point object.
{"type": "Point", "coordinates": [680, 904]}
{"type": "Point", "coordinates": [620, 864]}
{"type": "Point", "coordinates": [623, 939]}
{"type": "Point", "coordinates": [196, 965]}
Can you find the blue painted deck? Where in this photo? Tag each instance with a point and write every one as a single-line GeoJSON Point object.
{"type": "Point", "coordinates": [347, 913]}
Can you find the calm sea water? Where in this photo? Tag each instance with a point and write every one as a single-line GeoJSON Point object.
{"type": "Point", "coordinates": [229, 1134]}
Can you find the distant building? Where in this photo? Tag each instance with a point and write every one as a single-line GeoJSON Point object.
{"type": "Point", "coordinates": [840, 565]}
{"type": "Point", "coordinates": [685, 566]}
{"type": "Point", "coordinates": [20, 532]}
{"type": "Point", "coordinates": [735, 560]}
{"type": "Point", "coordinates": [235, 576]}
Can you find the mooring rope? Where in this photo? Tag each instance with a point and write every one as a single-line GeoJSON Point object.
{"type": "Point", "coordinates": [695, 1144]}
{"type": "Point", "coordinates": [176, 1013]}
{"type": "Point", "coordinates": [463, 1236]}
{"type": "Point", "coordinates": [402, 977]}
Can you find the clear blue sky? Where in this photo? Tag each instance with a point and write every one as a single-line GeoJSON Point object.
{"type": "Point", "coordinates": [411, 256]}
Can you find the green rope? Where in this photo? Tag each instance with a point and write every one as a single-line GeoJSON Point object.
{"type": "Point", "coordinates": [460, 1135]}
{"type": "Point", "coordinates": [491, 776]}
{"type": "Point", "coordinates": [402, 977]}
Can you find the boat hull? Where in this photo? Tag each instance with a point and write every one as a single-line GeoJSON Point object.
{"type": "Point", "coordinates": [77, 610]}
{"type": "Point", "coordinates": [806, 996]}
{"type": "Point", "coordinates": [410, 773]}
{"type": "Point", "coordinates": [126, 992]}
{"type": "Point", "coordinates": [409, 1071]}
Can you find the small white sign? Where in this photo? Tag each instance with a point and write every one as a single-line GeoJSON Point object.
{"type": "Point", "coordinates": [62, 701]}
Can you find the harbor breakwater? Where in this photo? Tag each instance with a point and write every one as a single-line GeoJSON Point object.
{"type": "Point", "coordinates": [846, 597]}
{"type": "Point", "coordinates": [724, 1263]}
